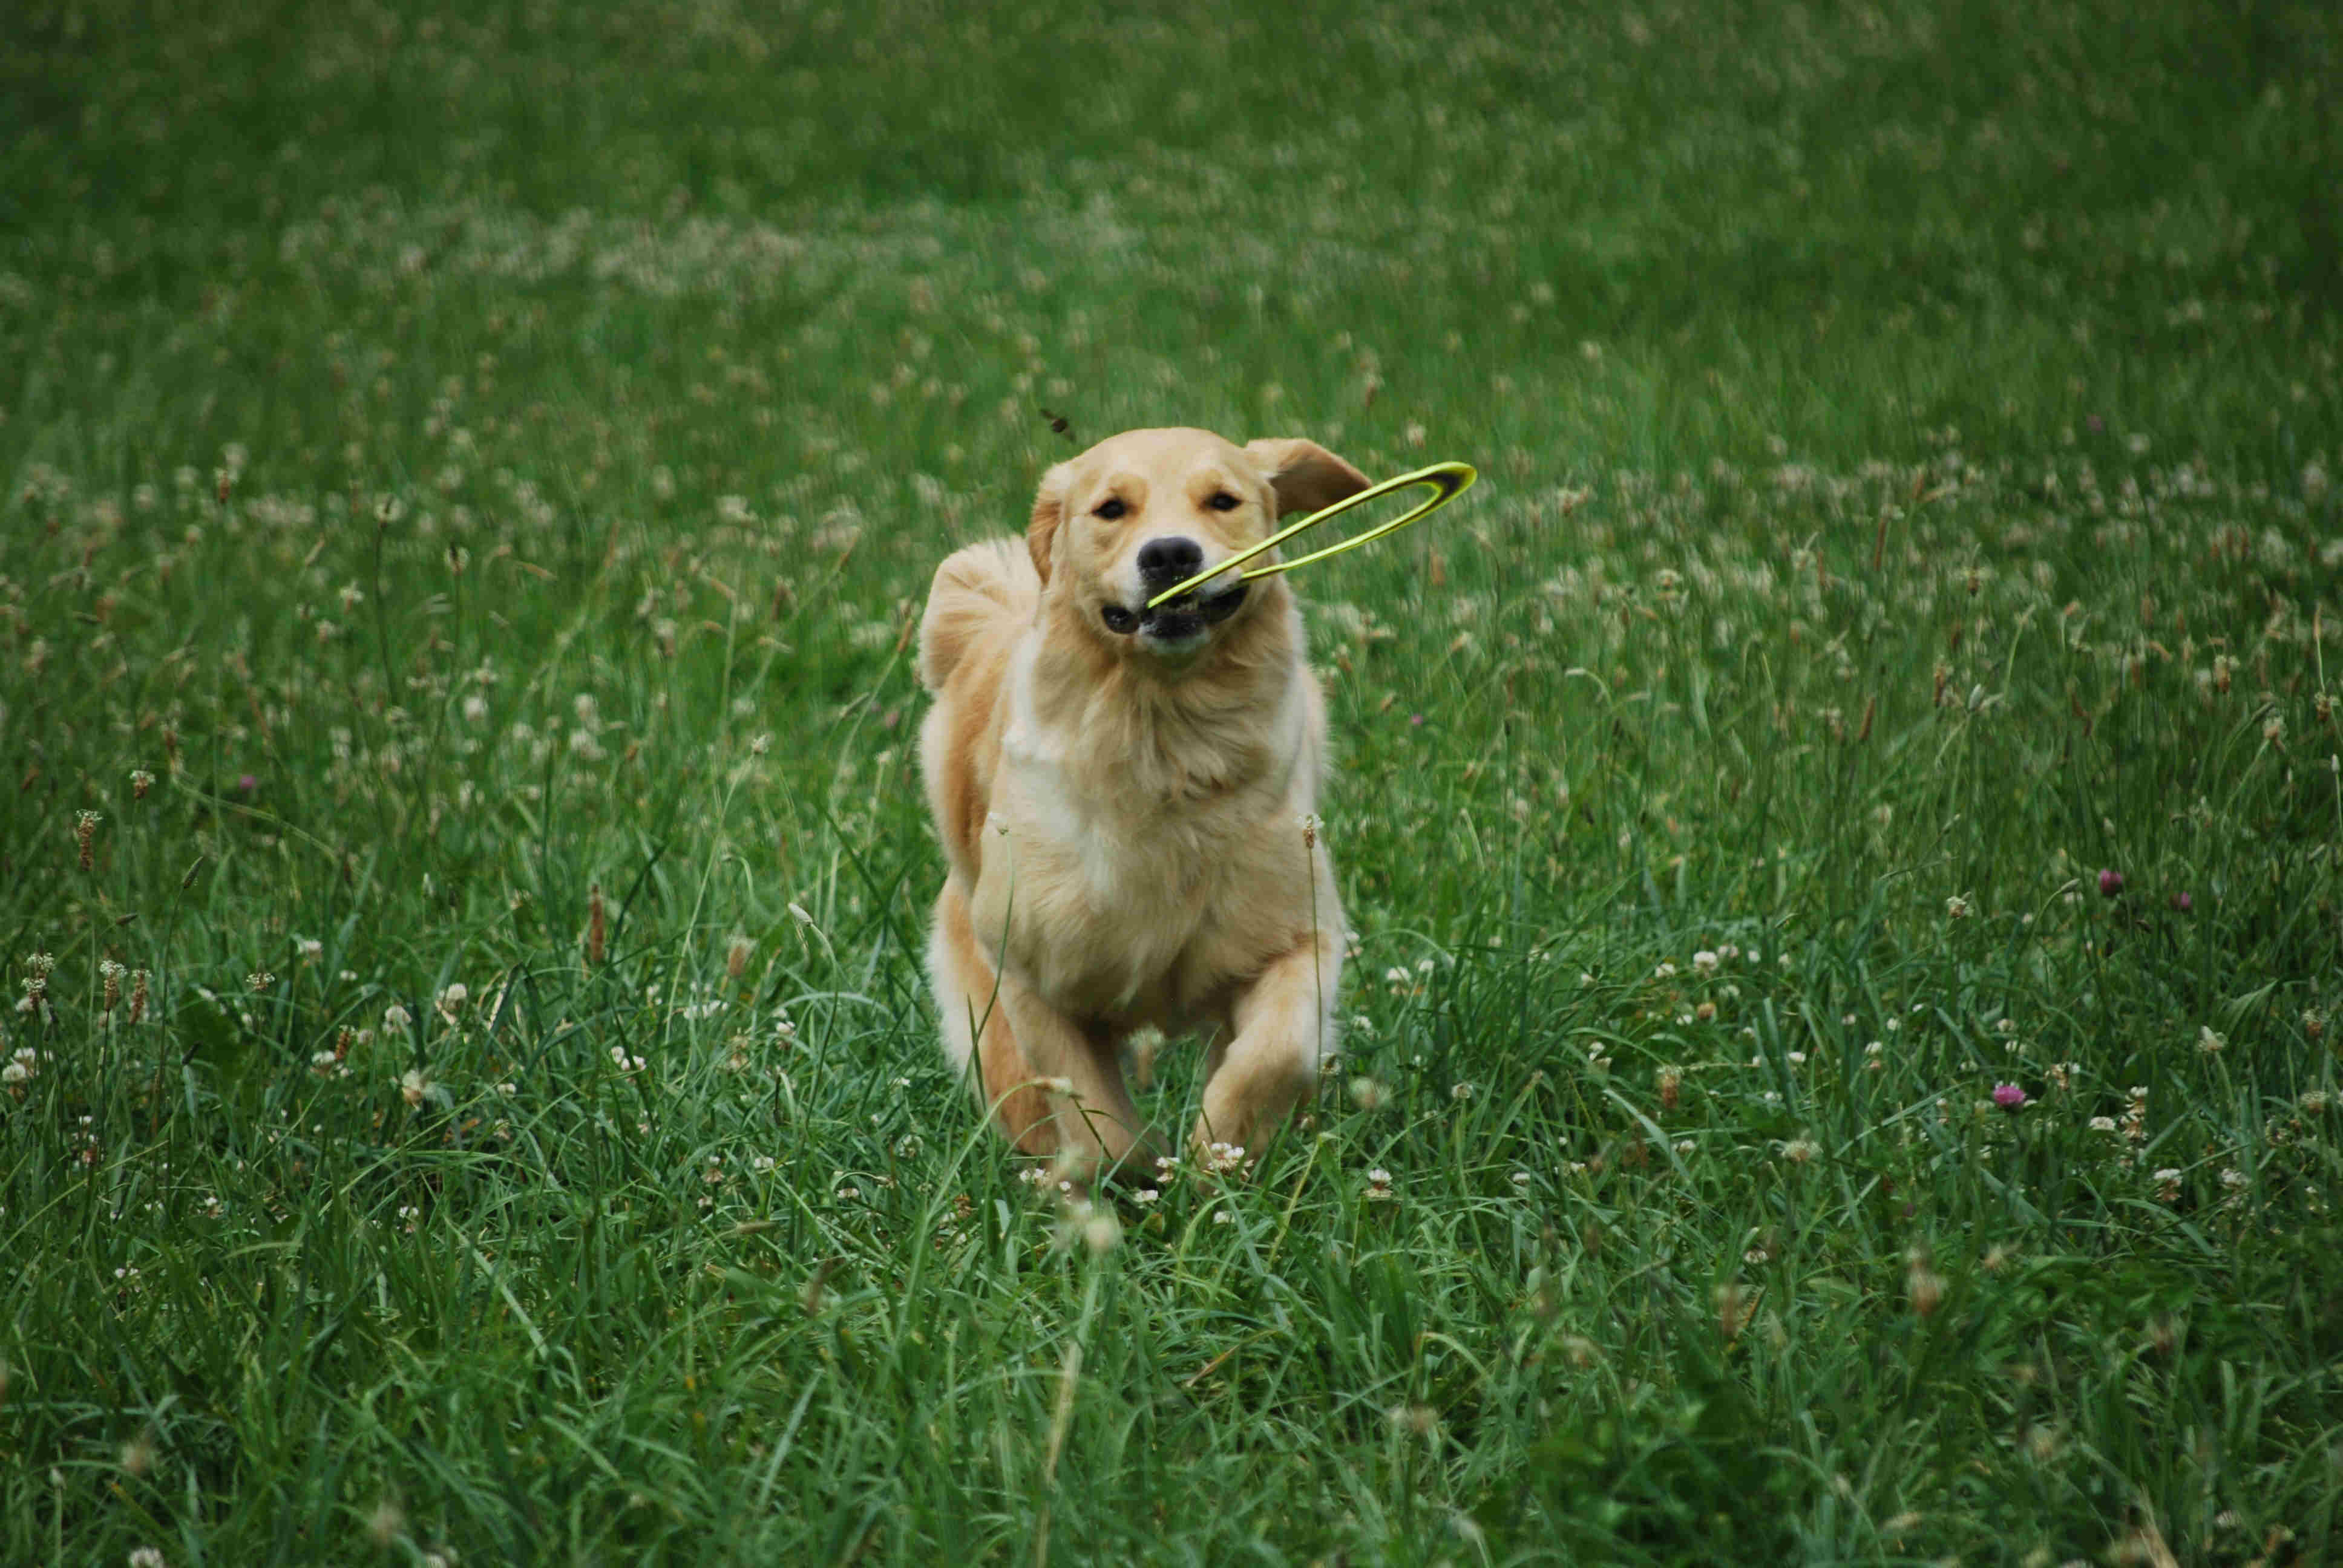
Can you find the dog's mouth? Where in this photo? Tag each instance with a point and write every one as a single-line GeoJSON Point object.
{"type": "Point", "coordinates": [1175, 620]}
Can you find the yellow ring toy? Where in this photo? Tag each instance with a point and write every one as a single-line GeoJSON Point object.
{"type": "Point", "coordinates": [1448, 480]}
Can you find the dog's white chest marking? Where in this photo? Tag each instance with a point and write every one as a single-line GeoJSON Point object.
{"type": "Point", "coordinates": [1101, 902]}
{"type": "Point", "coordinates": [1101, 896]}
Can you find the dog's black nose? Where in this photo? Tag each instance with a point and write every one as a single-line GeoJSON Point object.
{"type": "Point", "coordinates": [1170, 560]}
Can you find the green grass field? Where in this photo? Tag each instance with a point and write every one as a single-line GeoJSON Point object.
{"type": "Point", "coordinates": [469, 466]}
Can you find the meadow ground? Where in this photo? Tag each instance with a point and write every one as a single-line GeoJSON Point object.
{"type": "Point", "coordinates": [470, 468]}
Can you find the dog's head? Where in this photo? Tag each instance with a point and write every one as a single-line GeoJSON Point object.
{"type": "Point", "coordinates": [1148, 509]}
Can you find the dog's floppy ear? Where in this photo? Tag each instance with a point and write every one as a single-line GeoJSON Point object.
{"type": "Point", "coordinates": [1304, 474]}
{"type": "Point", "coordinates": [1048, 511]}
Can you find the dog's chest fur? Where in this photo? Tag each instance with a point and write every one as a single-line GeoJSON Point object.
{"type": "Point", "coordinates": [1127, 867]}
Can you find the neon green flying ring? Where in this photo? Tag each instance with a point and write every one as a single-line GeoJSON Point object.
{"type": "Point", "coordinates": [1448, 480]}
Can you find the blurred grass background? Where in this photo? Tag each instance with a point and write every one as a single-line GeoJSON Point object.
{"type": "Point", "coordinates": [480, 462]}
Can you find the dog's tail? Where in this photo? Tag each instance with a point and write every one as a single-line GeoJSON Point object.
{"type": "Point", "coordinates": [980, 587]}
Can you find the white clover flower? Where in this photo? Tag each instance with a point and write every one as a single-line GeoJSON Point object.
{"type": "Point", "coordinates": [1224, 1158]}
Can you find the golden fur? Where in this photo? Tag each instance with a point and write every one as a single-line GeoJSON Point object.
{"type": "Point", "coordinates": [1122, 813]}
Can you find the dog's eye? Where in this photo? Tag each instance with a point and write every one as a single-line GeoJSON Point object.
{"type": "Point", "coordinates": [1110, 508]}
{"type": "Point", "coordinates": [1222, 501]}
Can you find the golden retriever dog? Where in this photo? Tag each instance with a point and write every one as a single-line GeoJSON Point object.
{"type": "Point", "coordinates": [1126, 797]}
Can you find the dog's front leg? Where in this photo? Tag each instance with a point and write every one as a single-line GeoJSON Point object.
{"type": "Point", "coordinates": [1090, 1107]}
{"type": "Point", "coordinates": [1284, 1027]}
{"type": "Point", "coordinates": [976, 1035]}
